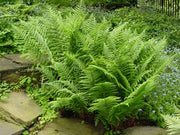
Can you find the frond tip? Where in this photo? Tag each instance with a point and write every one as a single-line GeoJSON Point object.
{"type": "Point", "coordinates": [173, 123]}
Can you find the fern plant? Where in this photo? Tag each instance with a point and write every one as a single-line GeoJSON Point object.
{"type": "Point", "coordinates": [89, 66]}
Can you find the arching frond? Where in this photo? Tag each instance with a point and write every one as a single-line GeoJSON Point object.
{"type": "Point", "coordinates": [103, 107]}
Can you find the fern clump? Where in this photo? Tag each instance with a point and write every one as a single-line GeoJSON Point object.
{"type": "Point", "coordinates": [90, 67]}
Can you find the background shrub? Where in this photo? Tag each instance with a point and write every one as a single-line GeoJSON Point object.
{"type": "Point", "coordinates": [11, 14]}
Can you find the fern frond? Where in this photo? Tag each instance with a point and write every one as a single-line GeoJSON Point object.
{"type": "Point", "coordinates": [131, 103]}
{"type": "Point", "coordinates": [102, 90]}
{"type": "Point", "coordinates": [103, 107]}
{"type": "Point", "coordinates": [47, 72]}
{"type": "Point", "coordinates": [173, 124]}
{"type": "Point", "coordinates": [109, 76]}
{"type": "Point", "coordinates": [60, 103]}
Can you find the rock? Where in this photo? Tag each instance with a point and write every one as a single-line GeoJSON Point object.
{"type": "Point", "coordinates": [16, 77]}
{"type": "Point", "coordinates": [145, 131]}
{"type": "Point", "coordinates": [16, 58]}
{"type": "Point", "coordinates": [9, 128]}
{"type": "Point", "coordinates": [4, 116]}
{"type": "Point", "coordinates": [68, 126]}
{"type": "Point", "coordinates": [11, 63]}
{"type": "Point", "coordinates": [20, 108]}
{"type": "Point", "coordinates": [8, 65]}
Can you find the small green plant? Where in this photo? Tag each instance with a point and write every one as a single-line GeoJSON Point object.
{"type": "Point", "coordinates": [4, 90]}
{"type": "Point", "coordinates": [25, 133]}
{"type": "Point", "coordinates": [27, 82]}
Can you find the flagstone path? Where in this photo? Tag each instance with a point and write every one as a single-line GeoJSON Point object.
{"type": "Point", "coordinates": [18, 111]}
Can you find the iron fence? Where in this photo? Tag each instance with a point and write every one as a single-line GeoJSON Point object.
{"type": "Point", "coordinates": [170, 7]}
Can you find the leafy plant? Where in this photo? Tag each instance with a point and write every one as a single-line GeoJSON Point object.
{"type": "Point", "coordinates": [26, 82]}
{"type": "Point", "coordinates": [86, 64]}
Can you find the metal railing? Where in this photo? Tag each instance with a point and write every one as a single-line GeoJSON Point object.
{"type": "Point", "coordinates": [170, 7]}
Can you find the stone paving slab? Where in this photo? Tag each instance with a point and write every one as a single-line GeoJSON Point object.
{"type": "Point", "coordinates": [21, 108]}
{"type": "Point", "coordinates": [9, 128]}
{"type": "Point", "coordinates": [16, 58]}
{"type": "Point", "coordinates": [68, 126]}
{"type": "Point", "coordinates": [13, 62]}
{"type": "Point", "coordinates": [147, 130]}
{"type": "Point", "coordinates": [4, 116]}
{"type": "Point", "coordinates": [8, 65]}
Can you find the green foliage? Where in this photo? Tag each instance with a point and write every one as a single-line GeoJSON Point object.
{"type": "Point", "coordinates": [165, 96]}
{"type": "Point", "coordinates": [6, 37]}
{"type": "Point", "coordinates": [167, 91]}
{"type": "Point", "coordinates": [27, 82]}
{"type": "Point", "coordinates": [111, 3]}
{"type": "Point", "coordinates": [63, 2]}
{"type": "Point", "coordinates": [11, 15]}
{"type": "Point", "coordinates": [155, 24]}
{"type": "Point", "coordinates": [173, 124]}
{"type": "Point", "coordinates": [25, 132]}
{"type": "Point", "coordinates": [76, 102]}
{"type": "Point", "coordinates": [89, 67]}
{"type": "Point", "coordinates": [3, 2]}
{"type": "Point", "coordinates": [104, 3]}
{"type": "Point", "coordinates": [103, 107]}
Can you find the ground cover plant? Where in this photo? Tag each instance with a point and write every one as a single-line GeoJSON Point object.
{"type": "Point", "coordinates": [111, 4]}
{"type": "Point", "coordinates": [91, 68]}
{"type": "Point", "coordinates": [155, 24]}
{"type": "Point", "coordinates": [4, 90]}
